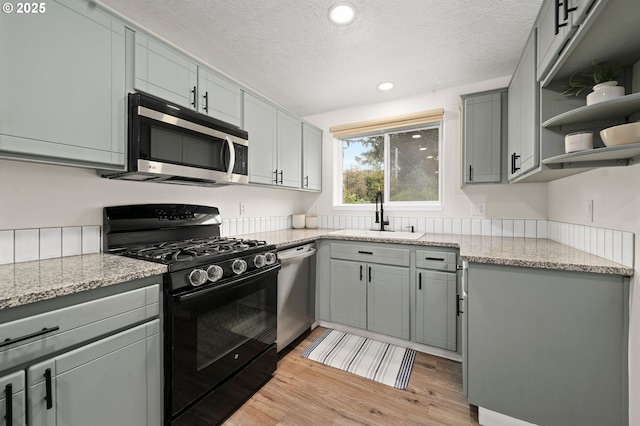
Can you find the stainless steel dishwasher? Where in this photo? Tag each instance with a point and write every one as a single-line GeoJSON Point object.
{"type": "Point", "coordinates": [295, 286]}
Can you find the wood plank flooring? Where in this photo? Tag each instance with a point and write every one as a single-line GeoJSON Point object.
{"type": "Point", "coordinates": [305, 393]}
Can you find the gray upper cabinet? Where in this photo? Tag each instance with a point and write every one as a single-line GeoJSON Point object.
{"type": "Point", "coordinates": [523, 121]}
{"type": "Point", "coordinates": [163, 72]}
{"type": "Point", "coordinates": [63, 89]}
{"type": "Point", "coordinates": [168, 74]}
{"type": "Point", "coordinates": [275, 144]}
{"type": "Point", "coordinates": [311, 158]}
{"type": "Point", "coordinates": [483, 117]}
{"type": "Point", "coordinates": [260, 123]}
{"type": "Point", "coordinates": [219, 98]}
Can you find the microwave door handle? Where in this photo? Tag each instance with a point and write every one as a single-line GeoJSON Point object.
{"type": "Point", "coordinates": [232, 157]}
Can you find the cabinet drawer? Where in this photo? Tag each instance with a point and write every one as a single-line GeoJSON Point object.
{"type": "Point", "coordinates": [371, 253]}
{"type": "Point", "coordinates": [435, 259]}
{"type": "Point", "coordinates": [49, 332]}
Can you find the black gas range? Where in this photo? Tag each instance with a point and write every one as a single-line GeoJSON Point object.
{"type": "Point", "coordinates": [220, 297]}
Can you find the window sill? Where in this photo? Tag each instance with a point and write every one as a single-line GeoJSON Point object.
{"type": "Point", "coordinates": [436, 207]}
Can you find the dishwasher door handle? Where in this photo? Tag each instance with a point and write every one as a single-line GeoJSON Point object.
{"type": "Point", "coordinates": [296, 257]}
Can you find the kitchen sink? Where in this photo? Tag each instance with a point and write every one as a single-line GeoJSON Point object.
{"type": "Point", "coordinates": [379, 234]}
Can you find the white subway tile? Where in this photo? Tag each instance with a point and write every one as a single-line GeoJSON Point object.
{"type": "Point", "coordinates": [601, 242]}
{"type": "Point", "coordinates": [413, 221]}
{"type": "Point", "coordinates": [263, 225]}
{"type": "Point", "coordinates": [496, 228]}
{"type": "Point", "coordinates": [507, 228]}
{"type": "Point", "coordinates": [224, 229]}
{"type": "Point", "coordinates": [368, 220]}
{"type": "Point", "coordinates": [518, 228]}
{"type": "Point", "coordinates": [466, 226]}
{"type": "Point", "coordinates": [90, 239]}
{"type": "Point", "coordinates": [579, 237]}
{"type": "Point", "coordinates": [530, 229]}
{"type": "Point", "coordinates": [617, 246]}
{"type": "Point", "coordinates": [438, 225]}
{"type": "Point", "coordinates": [476, 226]}
{"type": "Point", "coordinates": [456, 226]}
{"type": "Point", "coordinates": [342, 222]}
{"type": "Point", "coordinates": [447, 226]}
{"type": "Point", "coordinates": [608, 244]}
{"type": "Point", "coordinates": [71, 241]}
{"type": "Point", "coordinates": [587, 239]}
{"type": "Point", "coordinates": [429, 225]}
{"type": "Point", "coordinates": [362, 222]}
{"type": "Point", "coordinates": [486, 227]}
{"type": "Point", "coordinates": [323, 222]}
{"type": "Point", "coordinates": [6, 247]}
{"type": "Point", "coordinates": [404, 224]}
{"type": "Point", "coordinates": [330, 222]}
{"type": "Point", "coordinates": [594, 240]}
{"type": "Point", "coordinates": [347, 223]}
{"type": "Point", "coordinates": [27, 245]}
{"type": "Point", "coordinates": [421, 224]}
{"type": "Point", "coordinates": [50, 243]}
{"type": "Point", "coordinates": [627, 249]}
{"type": "Point", "coordinates": [542, 229]}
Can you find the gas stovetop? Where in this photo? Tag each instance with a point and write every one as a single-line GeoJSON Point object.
{"type": "Point", "coordinates": [192, 250]}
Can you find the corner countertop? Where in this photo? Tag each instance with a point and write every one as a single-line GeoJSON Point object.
{"type": "Point", "coordinates": [509, 251]}
{"type": "Point", "coordinates": [27, 282]}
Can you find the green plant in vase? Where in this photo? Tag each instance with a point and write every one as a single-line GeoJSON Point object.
{"type": "Point", "coordinates": [600, 73]}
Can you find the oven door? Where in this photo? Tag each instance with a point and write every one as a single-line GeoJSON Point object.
{"type": "Point", "coordinates": [213, 333]}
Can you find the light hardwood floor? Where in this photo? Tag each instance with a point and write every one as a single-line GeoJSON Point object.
{"type": "Point", "coordinates": [303, 392]}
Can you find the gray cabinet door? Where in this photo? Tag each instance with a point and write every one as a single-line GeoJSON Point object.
{"type": "Point", "coordinates": [388, 300]}
{"type": "Point", "coordinates": [289, 151]}
{"type": "Point", "coordinates": [349, 293]}
{"type": "Point", "coordinates": [219, 98]}
{"type": "Point", "coordinates": [115, 380]}
{"type": "Point", "coordinates": [260, 123]}
{"type": "Point", "coordinates": [523, 127]}
{"type": "Point", "coordinates": [311, 158]}
{"type": "Point", "coordinates": [63, 86]}
{"type": "Point", "coordinates": [550, 43]}
{"type": "Point", "coordinates": [165, 73]}
{"type": "Point", "coordinates": [548, 347]}
{"type": "Point", "coordinates": [12, 397]}
{"type": "Point", "coordinates": [482, 138]}
{"type": "Point", "coordinates": [436, 309]}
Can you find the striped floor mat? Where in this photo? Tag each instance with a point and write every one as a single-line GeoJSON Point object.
{"type": "Point", "coordinates": [381, 362]}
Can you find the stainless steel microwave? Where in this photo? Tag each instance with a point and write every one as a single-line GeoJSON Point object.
{"type": "Point", "coordinates": [173, 144]}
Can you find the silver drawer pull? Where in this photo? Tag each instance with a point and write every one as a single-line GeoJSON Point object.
{"type": "Point", "coordinates": [439, 259]}
{"type": "Point", "coordinates": [9, 341]}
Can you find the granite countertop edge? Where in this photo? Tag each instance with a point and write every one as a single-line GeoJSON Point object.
{"type": "Point", "coordinates": [539, 253]}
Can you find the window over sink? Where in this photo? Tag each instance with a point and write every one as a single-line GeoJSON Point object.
{"type": "Point", "coordinates": [404, 164]}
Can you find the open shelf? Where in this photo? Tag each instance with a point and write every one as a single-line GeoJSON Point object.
{"type": "Point", "coordinates": [613, 109]}
{"type": "Point", "coordinates": [621, 155]}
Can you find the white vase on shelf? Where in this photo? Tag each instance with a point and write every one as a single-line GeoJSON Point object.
{"type": "Point", "coordinates": [605, 91]}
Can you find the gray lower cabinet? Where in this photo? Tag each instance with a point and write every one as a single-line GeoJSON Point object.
{"type": "Point", "coordinates": [12, 399]}
{"type": "Point", "coordinates": [63, 90]}
{"type": "Point", "coordinates": [436, 309]}
{"type": "Point", "coordinates": [483, 118]}
{"type": "Point", "coordinates": [548, 347]}
{"type": "Point", "coordinates": [370, 296]}
{"type": "Point", "coordinates": [113, 381]}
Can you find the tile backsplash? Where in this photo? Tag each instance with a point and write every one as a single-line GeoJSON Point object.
{"type": "Point", "coordinates": [23, 245]}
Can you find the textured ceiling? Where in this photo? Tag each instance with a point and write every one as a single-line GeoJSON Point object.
{"type": "Point", "coordinates": [289, 51]}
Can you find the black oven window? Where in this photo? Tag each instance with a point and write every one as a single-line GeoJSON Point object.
{"type": "Point", "coordinates": [228, 327]}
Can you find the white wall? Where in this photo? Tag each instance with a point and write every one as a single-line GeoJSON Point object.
{"type": "Point", "coordinates": [616, 205]}
{"type": "Point", "coordinates": [39, 195]}
{"type": "Point", "coordinates": [524, 201]}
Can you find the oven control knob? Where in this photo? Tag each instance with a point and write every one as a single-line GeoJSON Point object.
{"type": "Point", "coordinates": [270, 258]}
{"type": "Point", "coordinates": [260, 260]}
{"type": "Point", "coordinates": [239, 266]}
{"type": "Point", "coordinates": [198, 277]}
{"type": "Point", "coordinates": [214, 273]}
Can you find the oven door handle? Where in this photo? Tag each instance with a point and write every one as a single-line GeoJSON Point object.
{"type": "Point", "coordinates": [194, 295]}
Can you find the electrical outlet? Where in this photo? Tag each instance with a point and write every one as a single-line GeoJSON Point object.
{"type": "Point", "coordinates": [478, 209]}
{"type": "Point", "coordinates": [589, 211]}
{"type": "Point", "coordinates": [242, 209]}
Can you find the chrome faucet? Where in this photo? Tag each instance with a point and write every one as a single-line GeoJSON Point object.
{"type": "Point", "coordinates": [380, 213]}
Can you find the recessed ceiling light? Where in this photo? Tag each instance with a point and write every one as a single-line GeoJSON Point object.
{"type": "Point", "coordinates": [385, 86]}
{"type": "Point", "coordinates": [342, 13]}
{"type": "Point", "coordinates": [418, 136]}
{"type": "Point", "coordinates": [422, 148]}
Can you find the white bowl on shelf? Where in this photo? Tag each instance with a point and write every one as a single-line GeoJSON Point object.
{"type": "Point", "coordinates": [623, 134]}
{"type": "Point", "coordinates": [605, 92]}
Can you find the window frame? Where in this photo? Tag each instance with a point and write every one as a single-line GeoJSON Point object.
{"type": "Point", "coordinates": [428, 206]}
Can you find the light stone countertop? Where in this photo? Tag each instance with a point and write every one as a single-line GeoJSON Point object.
{"type": "Point", "coordinates": [509, 251]}
{"type": "Point", "coordinates": [27, 282]}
